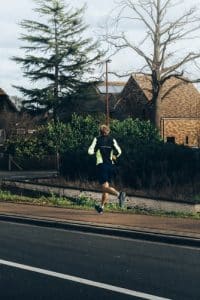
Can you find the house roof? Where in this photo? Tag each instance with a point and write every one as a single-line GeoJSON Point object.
{"type": "Point", "coordinates": [114, 87]}
{"type": "Point", "coordinates": [172, 88]}
{"type": "Point", "coordinates": [2, 93]}
{"type": "Point", "coordinates": [6, 98]}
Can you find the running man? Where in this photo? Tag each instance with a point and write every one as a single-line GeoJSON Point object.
{"type": "Point", "coordinates": [107, 151]}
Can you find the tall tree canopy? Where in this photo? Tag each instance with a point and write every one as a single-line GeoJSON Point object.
{"type": "Point", "coordinates": [163, 29]}
{"type": "Point", "coordinates": [57, 55]}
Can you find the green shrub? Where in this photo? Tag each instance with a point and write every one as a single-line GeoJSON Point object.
{"type": "Point", "coordinates": [146, 162]}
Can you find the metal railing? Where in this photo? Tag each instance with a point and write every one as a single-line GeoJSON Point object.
{"type": "Point", "coordinates": [9, 162]}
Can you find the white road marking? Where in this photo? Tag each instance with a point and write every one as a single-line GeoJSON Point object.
{"type": "Point", "coordinates": [82, 281]}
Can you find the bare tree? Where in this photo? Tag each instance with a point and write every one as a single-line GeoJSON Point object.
{"type": "Point", "coordinates": [163, 31]}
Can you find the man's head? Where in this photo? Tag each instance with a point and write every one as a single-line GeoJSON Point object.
{"type": "Point", "coordinates": [104, 130]}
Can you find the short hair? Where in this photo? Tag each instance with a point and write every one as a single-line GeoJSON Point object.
{"type": "Point", "coordinates": [104, 129]}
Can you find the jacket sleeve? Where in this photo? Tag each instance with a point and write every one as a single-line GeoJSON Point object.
{"type": "Point", "coordinates": [91, 149]}
{"type": "Point", "coordinates": [117, 148]}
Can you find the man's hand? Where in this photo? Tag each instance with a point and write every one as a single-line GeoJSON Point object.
{"type": "Point", "coordinates": [114, 157]}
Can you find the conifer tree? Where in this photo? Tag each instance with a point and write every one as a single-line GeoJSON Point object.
{"type": "Point", "coordinates": [57, 55]}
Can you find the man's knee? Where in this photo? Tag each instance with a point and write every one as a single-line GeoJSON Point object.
{"type": "Point", "coordinates": [105, 184]}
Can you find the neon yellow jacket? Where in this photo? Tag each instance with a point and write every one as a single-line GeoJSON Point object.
{"type": "Point", "coordinates": [104, 148]}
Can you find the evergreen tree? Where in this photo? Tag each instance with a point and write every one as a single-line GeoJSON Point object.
{"type": "Point", "coordinates": [57, 56]}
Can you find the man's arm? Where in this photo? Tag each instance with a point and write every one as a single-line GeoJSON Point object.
{"type": "Point", "coordinates": [117, 148]}
{"type": "Point", "coordinates": [91, 149]}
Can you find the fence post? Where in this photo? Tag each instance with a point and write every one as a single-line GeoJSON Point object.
{"type": "Point", "coordinates": [9, 162]}
{"type": "Point", "coordinates": [58, 162]}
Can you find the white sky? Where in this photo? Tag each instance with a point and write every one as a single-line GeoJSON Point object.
{"type": "Point", "coordinates": [14, 11]}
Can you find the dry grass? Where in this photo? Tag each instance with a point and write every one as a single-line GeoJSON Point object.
{"type": "Point", "coordinates": [176, 193]}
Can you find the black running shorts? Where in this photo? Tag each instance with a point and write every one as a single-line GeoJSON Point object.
{"type": "Point", "coordinates": [105, 172]}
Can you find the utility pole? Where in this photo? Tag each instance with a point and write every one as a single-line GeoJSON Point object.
{"type": "Point", "coordinates": [107, 95]}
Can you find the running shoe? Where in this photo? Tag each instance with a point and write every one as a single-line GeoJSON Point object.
{"type": "Point", "coordinates": [122, 198]}
{"type": "Point", "coordinates": [99, 209]}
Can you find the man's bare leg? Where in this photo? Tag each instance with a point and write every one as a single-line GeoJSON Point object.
{"type": "Point", "coordinates": [107, 189]}
{"type": "Point", "coordinates": [104, 199]}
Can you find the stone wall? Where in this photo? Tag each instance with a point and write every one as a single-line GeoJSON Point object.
{"type": "Point", "coordinates": [186, 131]}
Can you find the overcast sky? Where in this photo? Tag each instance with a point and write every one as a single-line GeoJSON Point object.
{"type": "Point", "coordinates": [14, 11]}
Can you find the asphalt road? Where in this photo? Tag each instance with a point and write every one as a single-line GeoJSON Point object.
{"type": "Point", "coordinates": [47, 263]}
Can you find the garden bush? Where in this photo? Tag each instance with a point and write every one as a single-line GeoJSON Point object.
{"type": "Point", "coordinates": [146, 162]}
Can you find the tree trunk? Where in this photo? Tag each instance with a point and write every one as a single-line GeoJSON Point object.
{"type": "Point", "coordinates": [155, 101]}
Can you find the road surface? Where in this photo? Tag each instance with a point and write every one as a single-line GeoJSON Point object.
{"type": "Point", "coordinates": [54, 264]}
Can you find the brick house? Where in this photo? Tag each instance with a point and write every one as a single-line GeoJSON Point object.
{"type": "Point", "coordinates": [93, 100]}
{"type": "Point", "coordinates": [13, 121]}
{"type": "Point", "coordinates": [178, 110]}
{"type": "Point", "coordinates": [8, 115]}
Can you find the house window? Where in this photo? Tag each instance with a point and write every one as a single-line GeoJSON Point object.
{"type": "Point", "coordinates": [21, 131]}
{"type": "Point", "coordinates": [31, 131]}
{"type": "Point", "coordinates": [187, 140]}
{"type": "Point", "coordinates": [171, 139]}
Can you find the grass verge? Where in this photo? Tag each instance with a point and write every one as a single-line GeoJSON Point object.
{"type": "Point", "coordinates": [85, 203]}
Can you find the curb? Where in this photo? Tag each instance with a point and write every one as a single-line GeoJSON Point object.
{"type": "Point", "coordinates": [104, 230]}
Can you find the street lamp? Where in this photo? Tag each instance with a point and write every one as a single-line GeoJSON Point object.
{"type": "Point", "coordinates": [107, 95]}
